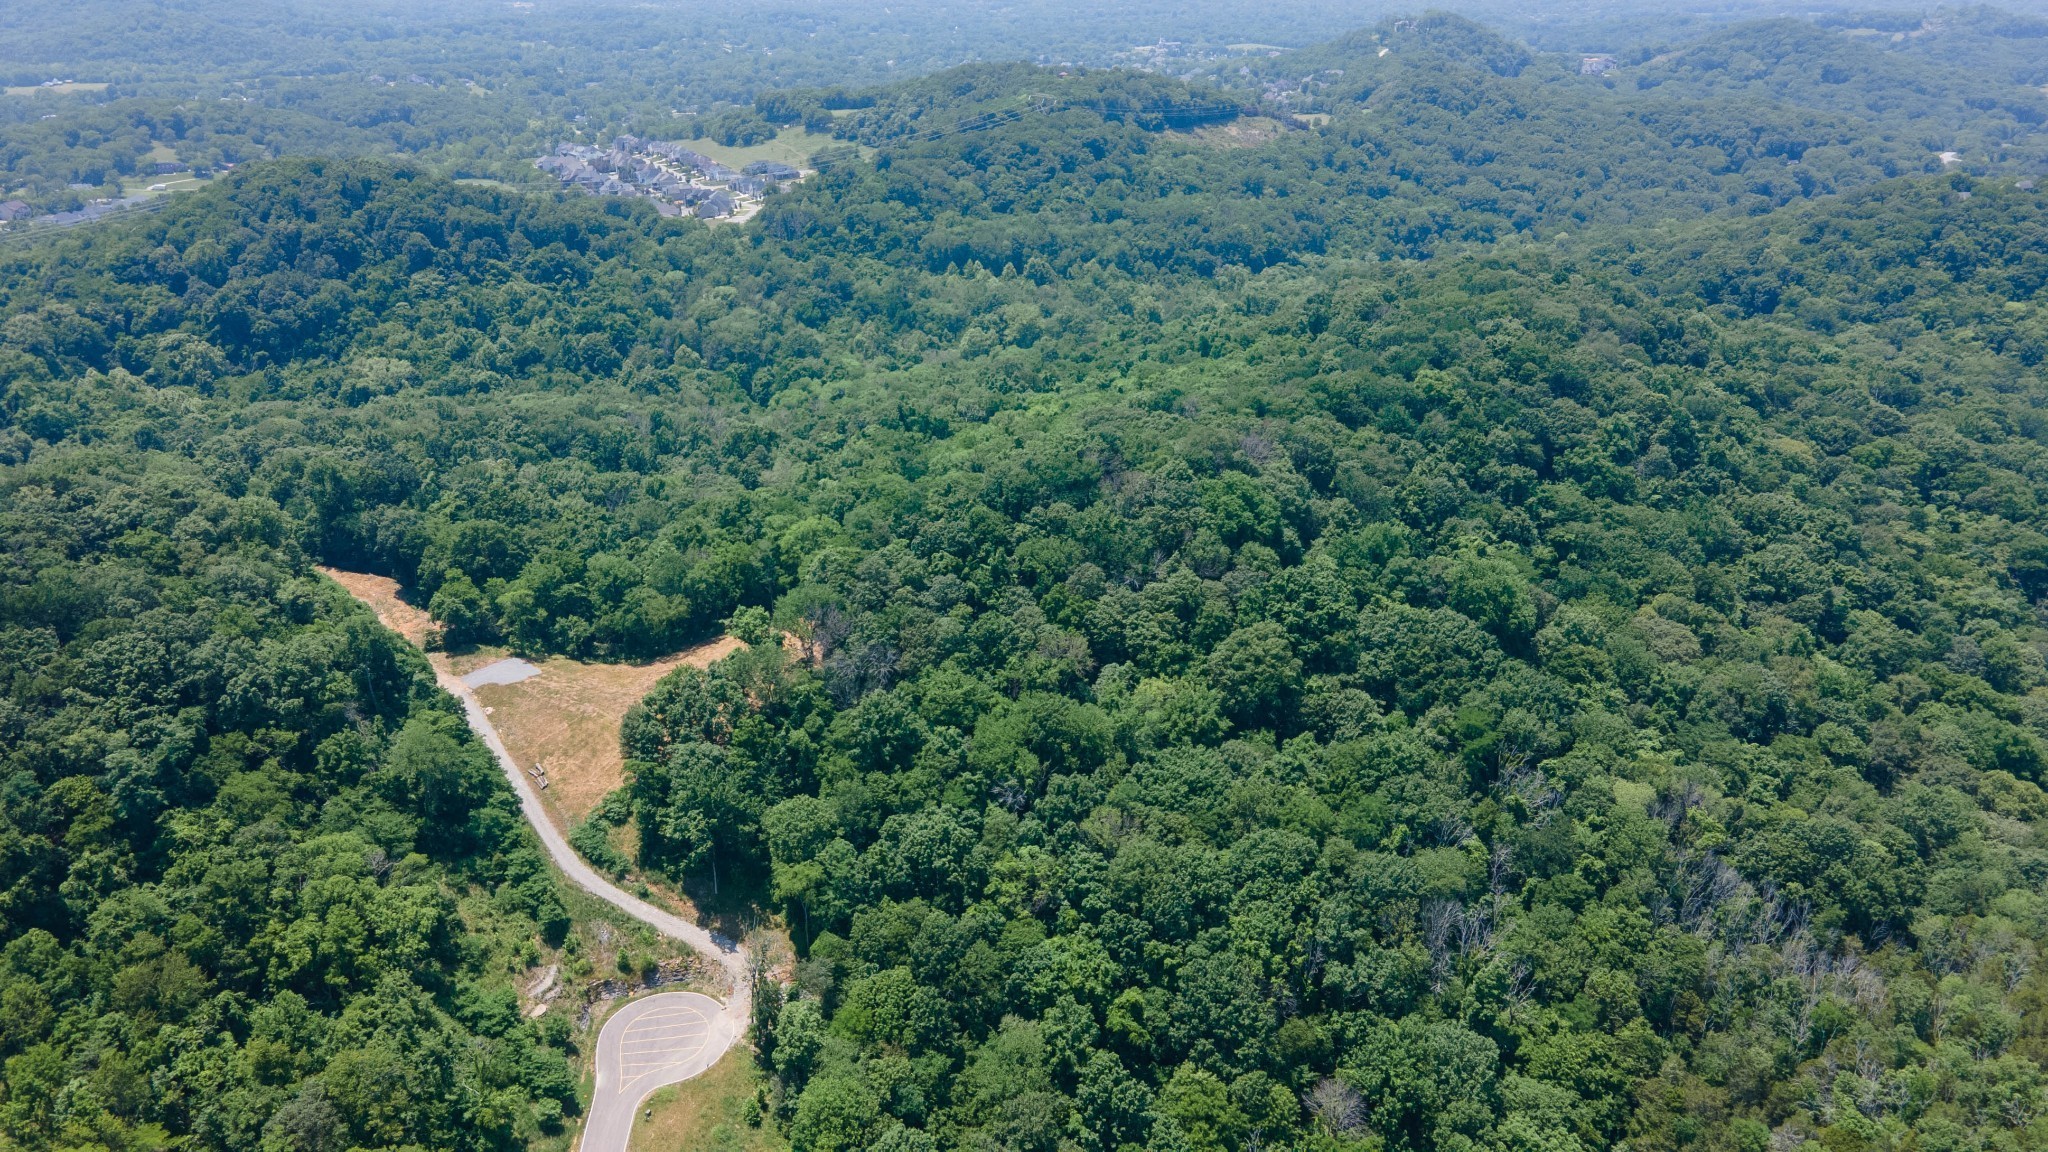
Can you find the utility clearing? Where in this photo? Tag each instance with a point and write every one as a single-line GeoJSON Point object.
{"type": "Point", "coordinates": [558, 717]}
{"type": "Point", "coordinates": [59, 89]}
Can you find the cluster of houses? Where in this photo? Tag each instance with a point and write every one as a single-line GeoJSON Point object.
{"type": "Point", "coordinates": [1299, 94]}
{"type": "Point", "coordinates": [677, 179]}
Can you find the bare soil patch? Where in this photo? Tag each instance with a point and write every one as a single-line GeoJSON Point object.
{"type": "Point", "coordinates": [388, 601]}
{"type": "Point", "coordinates": [1243, 132]}
{"type": "Point", "coordinates": [395, 607]}
{"type": "Point", "coordinates": [58, 89]}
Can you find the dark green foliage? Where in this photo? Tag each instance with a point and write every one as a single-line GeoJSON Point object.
{"type": "Point", "coordinates": [1241, 691]}
{"type": "Point", "coordinates": [237, 827]}
{"type": "Point", "coordinates": [1462, 703]}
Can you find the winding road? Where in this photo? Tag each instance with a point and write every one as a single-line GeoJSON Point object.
{"type": "Point", "coordinates": [653, 1041]}
{"type": "Point", "coordinates": [650, 1042]}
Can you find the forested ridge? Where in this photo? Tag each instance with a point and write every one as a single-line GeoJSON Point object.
{"type": "Point", "coordinates": [1266, 673]}
{"type": "Point", "coordinates": [245, 841]}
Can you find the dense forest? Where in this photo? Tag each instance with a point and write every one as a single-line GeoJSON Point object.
{"type": "Point", "coordinates": [1373, 637]}
{"type": "Point", "coordinates": [244, 839]}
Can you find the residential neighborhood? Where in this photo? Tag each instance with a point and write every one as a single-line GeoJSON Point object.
{"type": "Point", "coordinates": [679, 180]}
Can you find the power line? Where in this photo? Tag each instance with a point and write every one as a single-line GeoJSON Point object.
{"type": "Point", "coordinates": [22, 233]}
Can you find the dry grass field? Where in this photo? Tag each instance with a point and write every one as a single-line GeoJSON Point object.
{"type": "Point", "coordinates": [566, 719]}
{"type": "Point", "coordinates": [387, 600]}
{"type": "Point", "coordinates": [791, 146]}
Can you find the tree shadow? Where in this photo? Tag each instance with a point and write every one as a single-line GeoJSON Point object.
{"type": "Point", "coordinates": [734, 907]}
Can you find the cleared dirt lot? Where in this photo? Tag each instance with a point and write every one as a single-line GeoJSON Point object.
{"type": "Point", "coordinates": [384, 597]}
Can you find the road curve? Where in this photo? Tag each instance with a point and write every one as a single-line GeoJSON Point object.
{"type": "Point", "coordinates": [655, 1040]}
{"type": "Point", "coordinates": [610, 1122]}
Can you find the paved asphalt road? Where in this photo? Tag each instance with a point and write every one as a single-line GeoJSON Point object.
{"type": "Point", "coordinates": [653, 1041]}
{"type": "Point", "coordinates": [666, 1037]}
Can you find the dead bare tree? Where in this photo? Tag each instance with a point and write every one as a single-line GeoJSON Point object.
{"type": "Point", "coordinates": [1526, 783]}
{"type": "Point", "coordinates": [1450, 932]}
{"type": "Point", "coordinates": [1336, 1106]}
{"type": "Point", "coordinates": [1822, 974]}
{"type": "Point", "coordinates": [1452, 830]}
{"type": "Point", "coordinates": [2015, 966]}
{"type": "Point", "coordinates": [1440, 921]}
{"type": "Point", "coordinates": [1705, 884]}
{"type": "Point", "coordinates": [1521, 988]}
